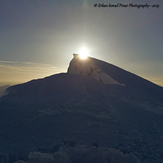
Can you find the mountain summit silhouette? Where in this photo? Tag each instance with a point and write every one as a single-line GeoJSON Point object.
{"type": "Point", "coordinates": [99, 76]}
{"type": "Point", "coordinates": [95, 112]}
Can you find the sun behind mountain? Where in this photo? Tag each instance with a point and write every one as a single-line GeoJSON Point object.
{"type": "Point", "coordinates": [83, 53]}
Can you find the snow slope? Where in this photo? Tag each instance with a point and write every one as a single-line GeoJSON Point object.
{"type": "Point", "coordinates": [88, 68]}
{"type": "Point", "coordinates": [74, 117]}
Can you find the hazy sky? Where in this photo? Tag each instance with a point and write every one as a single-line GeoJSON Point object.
{"type": "Point", "coordinates": [38, 37]}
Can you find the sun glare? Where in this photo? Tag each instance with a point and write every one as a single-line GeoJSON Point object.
{"type": "Point", "coordinates": [83, 53]}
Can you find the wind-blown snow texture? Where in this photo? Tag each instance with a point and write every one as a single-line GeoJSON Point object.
{"type": "Point", "coordinates": [71, 117]}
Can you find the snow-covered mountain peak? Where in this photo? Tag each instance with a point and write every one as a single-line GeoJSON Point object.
{"type": "Point", "coordinates": [89, 68]}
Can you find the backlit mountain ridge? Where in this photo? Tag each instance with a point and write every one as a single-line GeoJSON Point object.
{"type": "Point", "coordinates": [77, 117]}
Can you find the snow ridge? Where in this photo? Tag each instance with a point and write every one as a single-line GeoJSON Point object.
{"type": "Point", "coordinates": [88, 68]}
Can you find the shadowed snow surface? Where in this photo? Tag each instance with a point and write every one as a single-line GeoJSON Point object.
{"type": "Point", "coordinates": [74, 118]}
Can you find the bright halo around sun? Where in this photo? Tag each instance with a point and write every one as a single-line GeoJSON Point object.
{"type": "Point", "coordinates": [83, 53]}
